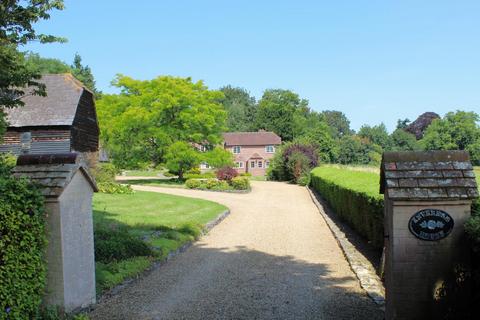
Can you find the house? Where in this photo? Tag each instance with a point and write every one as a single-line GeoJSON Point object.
{"type": "Point", "coordinates": [64, 121]}
{"type": "Point", "coordinates": [252, 151]}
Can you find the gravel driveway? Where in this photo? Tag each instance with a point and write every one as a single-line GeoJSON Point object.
{"type": "Point", "coordinates": [272, 258]}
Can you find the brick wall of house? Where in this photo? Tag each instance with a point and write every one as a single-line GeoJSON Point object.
{"type": "Point", "coordinates": [244, 159]}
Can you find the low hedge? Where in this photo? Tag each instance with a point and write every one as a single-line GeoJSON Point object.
{"type": "Point", "coordinates": [237, 183]}
{"type": "Point", "coordinates": [22, 247]}
{"type": "Point", "coordinates": [355, 198]}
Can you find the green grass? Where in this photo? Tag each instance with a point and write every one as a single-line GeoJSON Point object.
{"type": "Point", "coordinates": [152, 210]}
{"type": "Point", "coordinates": [112, 274]}
{"type": "Point", "coordinates": [164, 222]}
{"type": "Point", "coordinates": [367, 182]}
{"type": "Point", "coordinates": [168, 183]}
{"type": "Point", "coordinates": [142, 173]}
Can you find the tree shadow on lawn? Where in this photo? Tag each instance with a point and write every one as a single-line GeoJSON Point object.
{"type": "Point", "coordinates": [374, 255]}
{"type": "Point", "coordinates": [240, 283]}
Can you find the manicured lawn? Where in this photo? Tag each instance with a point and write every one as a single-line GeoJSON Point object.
{"type": "Point", "coordinates": [169, 183]}
{"type": "Point", "coordinates": [150, 209]}
{"type": "Point", "coordinates": [143, 173]}
{"type": "Point", "coordinates": [162, 222]}
{"type": "Point", "coordinates": [258, 178]}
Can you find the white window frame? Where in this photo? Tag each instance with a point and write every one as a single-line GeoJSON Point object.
{"type": "Point", "coordinates": [239, 164]}
{"type": "Point", "coordinates": [252, 164]}
{"type": "Point", "coordinates": [236, 149]}
{"type": "Point", "coordinates": [267, 164]}
{"type": "Point", "coordinates": [270, 149]}
{"type": "Point", "coordinates": [260, 164]}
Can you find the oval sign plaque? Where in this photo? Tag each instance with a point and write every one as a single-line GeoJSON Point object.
{"type": "Point", "coordinates": [431, 224]}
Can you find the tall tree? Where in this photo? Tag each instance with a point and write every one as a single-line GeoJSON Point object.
{"type": "Point", "coordinates": [376, 134]}
{"type": "Point", "coordinates": [357, 150]}
{"type": "Point", "coordinates": [403, 141]}
{"type": "Point", "coordinates": [84, 74]}
{"type": "Point", "coordinates": [240, 107]}
{"type": "Point", "coordinates": [46, 65]}
{"type": "Point", "coordinates": [139, 124]}
{"type": "Point", "coordinates": [338, 121]}
{"type": "Point", "coordinates": [43, 65]}
{"type": "Point", "coordinates": [456, 131]}
{"type": "Point", "coordinates": [17, 18]}
{"type": "Point", "coordinates": [277, 111]}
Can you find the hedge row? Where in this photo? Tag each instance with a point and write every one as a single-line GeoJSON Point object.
{"type": "Point", "coordinates": [22, 247]}
{"type": "Point", "coordinates": [355, 198]}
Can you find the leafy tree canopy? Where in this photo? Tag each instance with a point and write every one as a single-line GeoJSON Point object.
{"type": "Point", "coordinates": [140, 123]}
{"type": "Point", "coordinates": [403, 141]}
{"type": "Point", "coordinates": [277, 111]}
{"type": "Point", "coordinates": [456, 131]}
{"type": "Point", "coordinates": [241, 108]}
{"type": "Point", "coordinates": [357, 150]}
{"type": "Point", "coordinates": [181, 157]}
{"type": "Point", "coordinates": [218, 157]}
{"type": "Point", "coordinates": [376, 134]}
{"type": "Point", "coordinates": [338, 121]}
{"type": "Point", "coordinates": [51, 65]}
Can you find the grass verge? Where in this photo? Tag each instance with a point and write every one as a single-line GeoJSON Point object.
{"type": "Point", "coordinates": [134, 230]}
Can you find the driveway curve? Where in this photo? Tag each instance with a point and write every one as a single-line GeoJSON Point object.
{"type": "Point", "coordinates": [273, 257]}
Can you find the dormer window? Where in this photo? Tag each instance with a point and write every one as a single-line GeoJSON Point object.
{"type": "Point", "coordinates": [236, 149]}
{"type": "Point", "coordinates": [269, 149]}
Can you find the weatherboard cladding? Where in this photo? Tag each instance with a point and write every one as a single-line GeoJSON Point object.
{"type": "Point", "coordinates": [63, 121]}
{"type": "Point", "coordinates": [428, 175]}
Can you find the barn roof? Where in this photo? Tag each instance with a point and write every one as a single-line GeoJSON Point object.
{"type": "Point", "coordinates": [428, 175]}
{"type": "Point", "coordinates": [260, 138]}
{"type": "Point", "coordinates": [58, 108]}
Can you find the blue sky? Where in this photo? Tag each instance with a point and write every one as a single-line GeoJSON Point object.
{"type": "Point", "coordinates": [377, 61]}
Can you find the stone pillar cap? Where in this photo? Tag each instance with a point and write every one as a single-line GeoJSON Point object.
{"type": "Point", "coordinates": [52, 172]}
{"type": "Point", "coordinates": [428, 175]}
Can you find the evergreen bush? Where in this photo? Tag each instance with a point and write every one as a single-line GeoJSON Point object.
{"type": "Point", "coordinates": [22, 246]}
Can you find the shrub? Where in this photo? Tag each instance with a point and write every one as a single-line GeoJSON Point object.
{"type": "Point", "coordinates": [205, 175]}
{"type": "Point", "coordinates": [193, 183]}
{"type": "Point", "coordinates": [104, 172]}
{"type": "Point", "coordinates": [355, 198]}
{"type": "Point", "coordinates": [240, 183]}
{"type": "Point", "coordinates": [113, 187]}
{"type": "Point", "coordinates": [22, 246]}
{"type": "Point", "coordinates": [245, 174]}
{"type": "Point", "coordinates": [211, 183]}
{"type": "Point", "coordinates": [292, 161]}
{"type": "Point", "coordinates": [226, 173]}
{"type": "Point", "coordinates": [195, 170]}
{"type": "Point", "coordinates": [168, 174]}
{"type": "Point", "coordinates": [114, 243]}
{"type": "Point", "coordinates": [222, 186]}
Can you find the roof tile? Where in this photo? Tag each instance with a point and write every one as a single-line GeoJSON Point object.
{"type": "Point", "coordinates": [260, 138]}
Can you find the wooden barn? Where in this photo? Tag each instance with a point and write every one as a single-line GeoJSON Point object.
{"type": "Point", "coordinates": [63, 121]}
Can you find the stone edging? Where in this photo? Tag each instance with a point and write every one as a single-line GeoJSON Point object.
{"type": "Point", "coordinates": [157, 264]}
{"type": "Point", "coordinates": [360, 265]}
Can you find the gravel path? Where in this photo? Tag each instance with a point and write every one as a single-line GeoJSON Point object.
{"type": "Point", "coordinates": [273, 257]}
